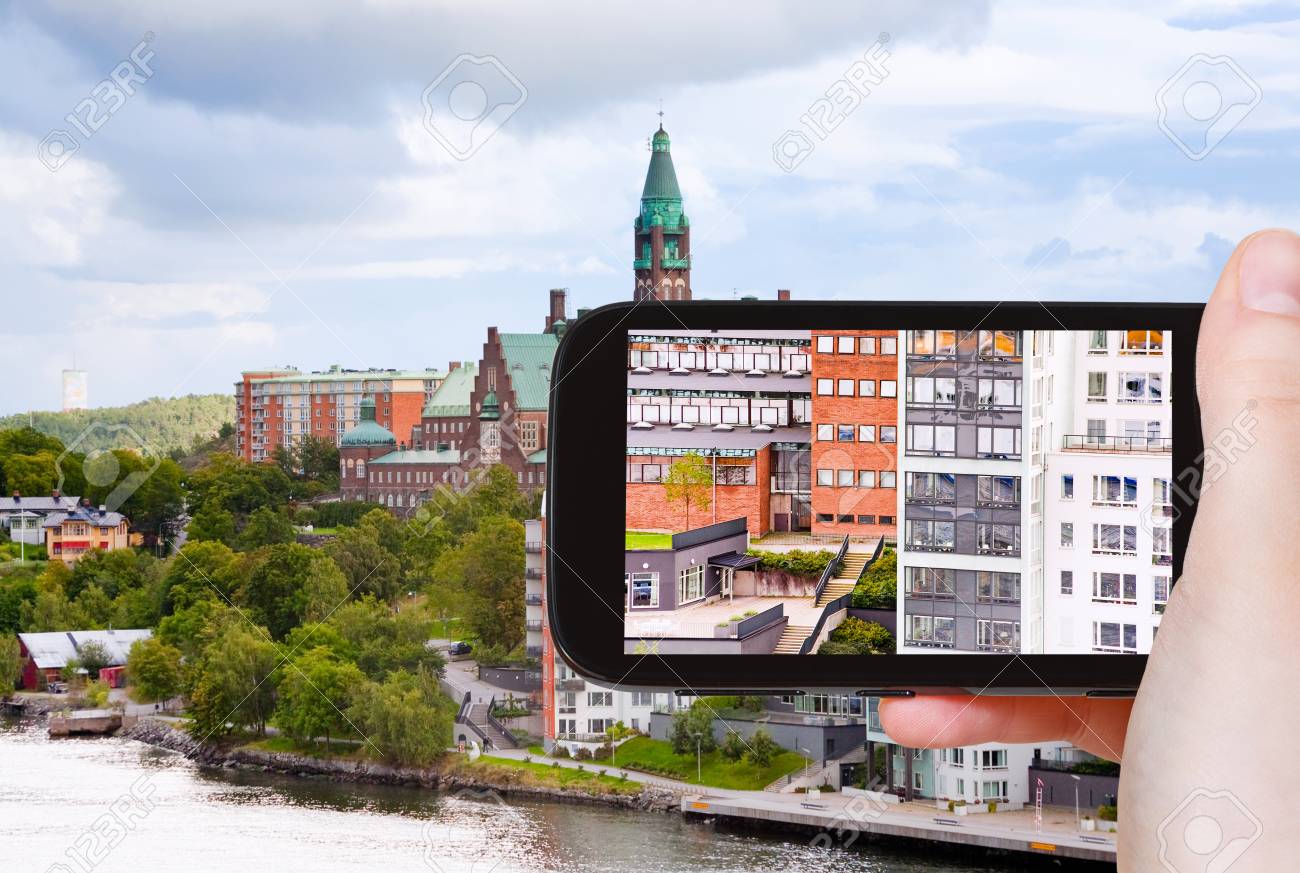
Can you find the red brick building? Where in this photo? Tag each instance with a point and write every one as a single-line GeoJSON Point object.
{"type": "Point", "coordinates": [855, 432]}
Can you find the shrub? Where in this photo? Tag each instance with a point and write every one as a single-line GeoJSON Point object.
{"type": "Point", "coordinates": [1097, 767]}
{"type": "Point", "coordinates": [993, 806]}
{"type": "Point", "coordinates": [1108, 812]}
{"type": "Point", "coordinates": [865, 638]}
{"type": "Point", "coordinates": [582, 754]}
{"type": "Point", "coordinates": [797, 562]}
{"type": "Point", "coordinates": [305, 515]}
{"type": "Point", "coordinates": [878, 588]}
{"type": "Point", "coordinates": [951, 806]}
{"type": "Point", "coordinates": [733, 747]}
{"type": "Point", "coordinates": [762, 748]}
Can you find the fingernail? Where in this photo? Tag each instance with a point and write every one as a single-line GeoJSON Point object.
{"type": "Point", "coordinates": [1269, 274]}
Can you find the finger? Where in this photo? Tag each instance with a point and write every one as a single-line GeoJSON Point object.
{"type": "Point", "coordinates": [1096, 726]}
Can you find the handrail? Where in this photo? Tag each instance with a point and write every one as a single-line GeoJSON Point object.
{"type": "Point", "coordinates": [831, 569]}
{"type": "Point", "coordinates": [496, 723]}
{"type": "Point", "coordinates": [844, 601]}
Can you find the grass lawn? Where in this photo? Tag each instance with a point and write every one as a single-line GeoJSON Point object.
{"type": "Point", "coordinates": [508, 770]}
{"type": "Point", "coordinates": [639, 539]}
{"type": "Point", "coordinates": [447, 630]}
{"type": "Point", "coordinates": [657, 756]}
{"type": "Point", "coordinates": [321, 531]}
{"type": "Point", "coordinates": [282, 743]}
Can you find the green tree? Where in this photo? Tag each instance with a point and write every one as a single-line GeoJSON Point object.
{"type": "Point", "coordinates": [857, 637]}
{"type": "Point", "coordinates": [689, 482]}
{"type": "Point", "coordinates": [368, 566]}
{"type": "Point", "coordinates": [96, 606]}
{"type": "Point", "coordinates": [406, 717]}
{"type": "Point", "coordinates": [762, 748]}
{"type": "Point", "coordinates": [733, 746]}
{"type": "Point", "coordinates": [266, 527]}
{"type": "Point", "coordinates": [200, 571]}
{"type": "Point", "coordinates": [153, 671]}
{"type": "Point", "coordinates": [33, 475]}
{"type": "Point", "coordinates": [276, 590]}
{"type": "Point", "coordinates": [17, 589]}
{"type": "Point", "coordinates": [878, 588]}
{"type": "Point", "coordinates": [93, 657]}
{"type": "Point", "coordinates": [235, 682]}
{"type": "Point", "coordinates": [381, 641]}
{"type": "Point", "coordinates": [212, 523]}
{"type": "Point", "coordinates": [115, 572]}
{"type": "Point", "coordinates": [691, 726]}
{"type": "Point", "coordinates": [11, 665]}
{"type": "Point", "coordinates": [314, 695]}
{"type": "Point", "coordinates": [488, 565]}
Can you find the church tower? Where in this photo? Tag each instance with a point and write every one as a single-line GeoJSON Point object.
{"type": "Point", "coordinates": [662, 238]}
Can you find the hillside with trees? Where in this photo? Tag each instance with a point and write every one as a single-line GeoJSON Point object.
{"type": "Point", "coordinates": [162, 424]}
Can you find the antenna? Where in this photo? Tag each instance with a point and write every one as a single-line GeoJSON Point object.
{"type": "Point", "coordinates": [661, 113]}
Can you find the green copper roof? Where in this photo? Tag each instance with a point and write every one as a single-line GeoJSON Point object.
{"type": "Point", "coordinates": [491, 408]}
{"type": "Point", "coordinates": [537, 457]}
{"type": "Point", "coordinates": [661, 178]}
{"type": "Point", "coordinates": [354, 376]}
{"type": "Point", "coordinates": [528, 361]}
{"type": "Point", "coordinates": [451, 400]}
{"type": "Point", "coordinates": [419, 456]}
{"type": "Point", "coordinates": [369, 432]}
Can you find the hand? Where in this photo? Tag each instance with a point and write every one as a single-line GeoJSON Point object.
{"type": "Point", "coordinates": [1218, 707]}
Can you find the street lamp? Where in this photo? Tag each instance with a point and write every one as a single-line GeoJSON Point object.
{"type": "Point", "coordinates": [1077, 780]}
{"type": "Point", "coordinates": [807, 762]}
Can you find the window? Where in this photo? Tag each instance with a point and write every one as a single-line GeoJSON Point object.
{"type": "Point", "coordinates": [993, 790]}
{"type": "Point", "coordinates": [1096, 430]}
{"type": "Point", "coordinates": [999, 344]}
{"type": "Point", "coordinates": [931, 391]}
{"type": "Point", "coordinates": [825, 518]}
{"type": "Point", "coordinates": [1159, 593]}
{"type": "Point", "coordinates": [1004, 393]}
{"type": "Point", "coordinates": [1067, 582]}
{"type": "Point", "coordinates": [991, 587]}
{"type": "Point", "coordinates": [1142, 342]}
{"type": "Point", "coordinates": [529, 436]}
{"type": "Point", "coordinates": [888, 388]}
{"type": "Point", "coordinates": [1097, 387]}
{"type": "Point", "coordinates": [866, 433]}
{"type": "Point", "coordinates": [931, 536]}
{"type": "Point", "coordinates": [866, 388]}
{"type": "Point", "coordinates": [930, 630]}
{"type": "Point", "coordinates": [844, 478]}
{"type": "Point", "coordinates": [690, 584]}
{"type": "Point", "coordinates": [888, 433]}
{"type": "Point", "coordinates": [825, 432]}
{"type": "Point", "coordinates": [825, 345]}
{"type": "Point", "coordinates": [845, 344]}
{"type": "Point", "coordinates": [1114, 588]}
{"type": "Point", "coordinates": [993, 759]}
{"type": "Point", "coordinates": [955, 757]}
{"type": "Point", "coordinates": [825, 477]}
{"type": "Point", "coordinates": [997, 442]}
{"type": "Point", "coordinates": [998, 490]}
{"type": "Point", "coordinates": [1067, 487]}
{"type": "Point", "coordinates": [888, 479]}
{"type": "Point", "coordinates": [1114, 490]}
{"type": "Point", "coordinates": [1110, 636]}
{"type": "Point", "coordinates": [931, 487]}
{"type": "Point", "coordinates": [1114, 539]}
{"type": "Point", "coordinates": [643, 590]}
{"type": "Point", "coordinates": [845, 518]}
{"type": "Point", "coordinates": [846, 387]}
{"type": "Point", "coordinates": [1097, 342]}
{"type": "Point", "coordinates": [931, 439]}
{"type": "Point", "coordinates": [997, 539]}
{"type": "Point", "coordinates": [1162, 495]}
{"type": "Point", "coordinates": [887, 519]}
{"type": "Point", "coordinates": [889, 345]}
{"type": "Point", "coordinates": [866, 519]}
{"type": "Point", "coordinates": [844, 433]}
{"type": "Point", "coordinates": [929, 582]}
{"type": "Point", "coordinates": [1140, 387]}
{"type": "Point", "coordinates": [1162, 546]}
{"type": "Point", "coordinates": [997, 636]}
{"type": "Point", "coordinates": [825, 387]}
{"type": "Point", "coordinates": [867, 345]}
{"type": "Point", "coordinates": [600, 698]}
{"type": "Point", "coordinates": [866, 478]}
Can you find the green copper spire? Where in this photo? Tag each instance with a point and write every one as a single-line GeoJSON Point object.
{"type": "Point", "coordinates": [491, 410]}
{"type": "Point", "coordinates": [661, 178]}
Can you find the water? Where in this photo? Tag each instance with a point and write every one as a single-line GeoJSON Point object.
{"type": "Point", "coordinates": [53, 791]}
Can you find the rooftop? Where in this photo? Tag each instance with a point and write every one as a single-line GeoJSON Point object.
{"type": "Point", "coordinates": [528, 359]}
{"type": "Point", "coordinates": [452, 398]}
{"type": "Point", "coordinates": [48, 503]}
{"type": "Point", "coordinates": [53, 649]}
{"type": "Point", "coordinates": [342, 375]}
{"type": "Point", "coordinates": [419, 456]}
{"type": "Point", "coordinates": [83, 513]}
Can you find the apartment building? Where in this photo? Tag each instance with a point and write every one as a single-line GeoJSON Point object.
{"type": "Point", "coordinates": [279, 407]}
{"type": "Point", "coordinates": [855, 424]}
{"type": "Point", "coordinates": [1109, 515]}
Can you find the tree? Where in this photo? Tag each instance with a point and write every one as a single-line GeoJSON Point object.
{"type": "Point", "coordinates": [200, 571]}
{"type": "Point", "coordinates": [35, 474]}
{"type": "Point", "coordinates": [266, 527]}
{"type": "Point", "coordinates": [689, 482]}
{"type": "Point", "coordinates": [762, 748]}
{"type": "Point", "coordinates": [488, 566]}
{"type": "Point", "coordinates": [368, 566]}
{"type": "Point", "coordinates": [691, 726]}
{"type": "Point", "coordinates": [314, 694]}
{"type": "Point", "coordinates": [381, 641]}
{"type": "Point", "coordinates": [325, 590]}
{"type": "Point", "coordinates": [212, 523]}
{"type": "Point", "coordinates": [11, 665]}
{"type": "Point", "coordinates": [235, 682]}
{"type": "Point", "coordinates": [276, 590]}
{"type": "Point", "coordinates": [733, 746]}
{"type": "Point", "coordinates": [153, 671]}
{"type": "Point", "coordinates": [115, 572]}
{"type": "Point", "coordinates": [93, 657]}
{"type": "Point", "coordinates": [406, 716]}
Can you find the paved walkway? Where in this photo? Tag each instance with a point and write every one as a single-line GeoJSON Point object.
{"type": "Point", "coordinates": [597, 766]}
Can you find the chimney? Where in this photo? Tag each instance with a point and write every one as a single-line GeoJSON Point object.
{"type": "Point", "coordinates": [55, 495]}
{"type": "Point", "coordinates": [782, 293]}
{"type": "Point", "coordinates": [18, 498]}
{"type": "Point", "coordinates": [451, 365]}
{"type": "Point", "coordinates": [103, 510]}
{"type": "Point", "coordinates": [557, 306]}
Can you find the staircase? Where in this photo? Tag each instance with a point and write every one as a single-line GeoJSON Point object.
{"type": "Point", "coordinates": [792, 639]}
{"type": "Point", "coordinates": [478, 716]}
{"type": "Point", "coordinates": [847, 577]}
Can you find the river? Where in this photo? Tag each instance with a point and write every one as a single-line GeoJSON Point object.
{"type": "Point", "coordinates": [170, 816]}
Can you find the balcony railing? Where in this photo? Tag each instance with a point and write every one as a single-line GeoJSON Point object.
{"type": "Point", "coordinates": [533, 573]}
{"type": "Point", "coordinates": [532, 600]}
{"type": "Point", "coordinates": [533, 624]}
{"type": "Point", "coordinates": [1122, 444]}
{"type": "Point", "coordinates": [533, 547]}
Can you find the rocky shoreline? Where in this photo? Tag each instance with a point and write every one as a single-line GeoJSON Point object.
{"type": "Point", "coordinates": [451, 776]}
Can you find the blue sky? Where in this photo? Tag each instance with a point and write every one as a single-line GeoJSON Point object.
{"type": "Point", "coordinates": [271, 194]}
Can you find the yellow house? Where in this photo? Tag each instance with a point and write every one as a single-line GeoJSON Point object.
{"type": "Point", "coordinates": [69, 535]}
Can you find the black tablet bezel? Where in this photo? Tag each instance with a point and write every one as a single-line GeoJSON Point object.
{"type": "Point", "coordinates": [586, 497]}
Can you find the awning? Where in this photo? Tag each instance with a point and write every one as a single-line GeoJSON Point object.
{"type": "Point", "coordinates": [734, 560]}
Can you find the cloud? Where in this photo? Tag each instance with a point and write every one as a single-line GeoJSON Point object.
{"type": "Point", "coordinates": [1216, 250]}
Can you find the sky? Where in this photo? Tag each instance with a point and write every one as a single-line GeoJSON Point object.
{"type": "Point", "coordinates": [191, 190]}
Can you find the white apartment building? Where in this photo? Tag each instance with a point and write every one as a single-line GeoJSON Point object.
{"type": "Point", "coordinates": [1109, 527]}
{"type": "Point", "coordinates": [534, 585]}
{"type": "Point", "coordinates": [585, 709]}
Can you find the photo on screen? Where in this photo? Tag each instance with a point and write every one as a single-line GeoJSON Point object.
{"type": "Point", "coordinates": [879, 492]}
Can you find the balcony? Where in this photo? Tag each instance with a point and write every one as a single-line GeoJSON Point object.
{"type": "Point", "coordinates": [533, 573]}
{"type": "Point", "coordinates": [533, 651]}
{"type": "Point", "coordinates": [1117, 444]}
{"type": "Point", "coordinates": [533, 624]}
{"type": "Point", "coordinates": [533, 547]}
{"type": "Point", "coordinates": [532, 600]}
{"type": "Point", "coordinates": [571, 684]}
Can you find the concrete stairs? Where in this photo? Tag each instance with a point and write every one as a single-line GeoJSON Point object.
{"type": "Point", "coordinates": [478, 716]}
{"type": "Point", "coordinates": [847, 577]}
{"type": "Point", "coordinates": [792, 639]}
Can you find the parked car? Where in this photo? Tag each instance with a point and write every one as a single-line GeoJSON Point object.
{"type": "Point", "coordinates": [459, 648]}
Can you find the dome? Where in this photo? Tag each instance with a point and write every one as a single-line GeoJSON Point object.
{"type": "Point", "coordinates": [369, 432]}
